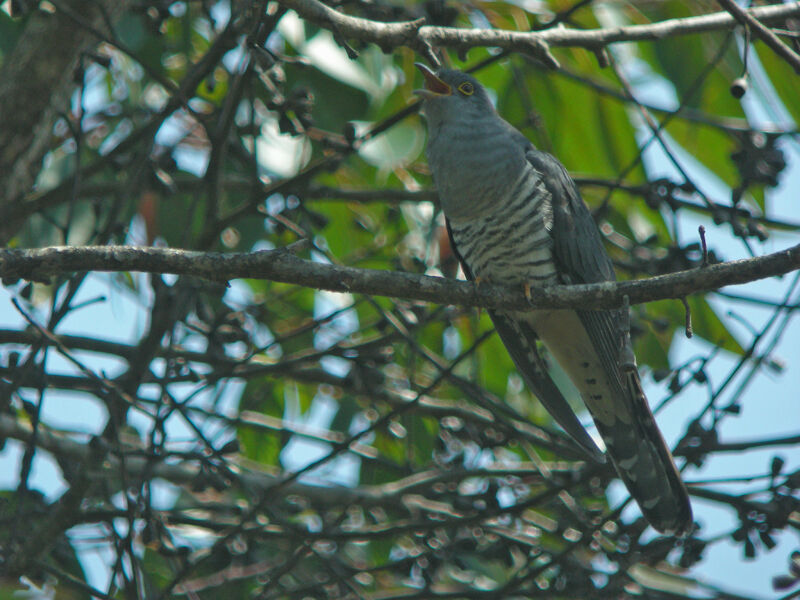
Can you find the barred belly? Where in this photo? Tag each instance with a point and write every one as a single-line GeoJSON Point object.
{"type": "Point", "coordinates": [511, 244]}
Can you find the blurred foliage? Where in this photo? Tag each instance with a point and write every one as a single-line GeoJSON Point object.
{"type": "Point", "coordinates": [237, 126]}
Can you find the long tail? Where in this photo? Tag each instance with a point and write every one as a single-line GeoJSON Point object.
{"type": "Point", "coordinates": [646, 466]}
{"type": "Point", "coordinates": [520, 341]}
{"type": "Point", "coordinates": [620, 411]}
{"type": "Point", "coordinates": [633, 441]}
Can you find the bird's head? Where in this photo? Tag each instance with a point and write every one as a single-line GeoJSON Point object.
{"type": "Point", "coordinates": [451, 94]}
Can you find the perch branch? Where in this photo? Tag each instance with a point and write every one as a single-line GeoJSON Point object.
{"type": "Point", "coordinates": [282, 266]}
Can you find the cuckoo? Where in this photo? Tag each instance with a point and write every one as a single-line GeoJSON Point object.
{"type": "Point", "coordinates": [515, 217]}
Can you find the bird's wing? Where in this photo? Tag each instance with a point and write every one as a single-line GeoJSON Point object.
{"type": "Point", "coordinates": [631, 435]}
{"type": "Point", "coordinates": [577, 245]}
{"type": "Point", "coordinates": [519, 339]}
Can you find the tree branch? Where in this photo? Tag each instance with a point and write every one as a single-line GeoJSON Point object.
{"type": "Point", "coordinates": [671, 27]}
{"type": "Point", "coordinates": [252, 475]}
{"type": "Point", "coordinates": [418, 37]}
{"type": "Point", "coordinates": [35, 80]}
{"type": "Point", "coordinates": [761, 32]}
{"type": "Point", "coordinates": [109, 466]}
{"type": "Point", "coordinates": [282, 266]}
{"type": "Point", "coordinates": [426, 405]}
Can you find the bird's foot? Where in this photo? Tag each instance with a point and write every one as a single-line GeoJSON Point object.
{"type": "Point", "coordinates": [527, 289]}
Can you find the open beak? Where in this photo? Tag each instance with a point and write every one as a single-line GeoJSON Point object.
{"type": "Point", "coordinates": [433, 85]}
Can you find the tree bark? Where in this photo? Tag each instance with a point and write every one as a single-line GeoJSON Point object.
{"type": "Point", "coordinates": [36, 79]}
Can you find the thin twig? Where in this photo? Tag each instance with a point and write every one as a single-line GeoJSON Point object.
{"type": "Point", "coordinates": [688, 323]}
{"type": "Point", "coordinates": [749, 19]}
{"type": "Point", "coordinates": [702, 231]}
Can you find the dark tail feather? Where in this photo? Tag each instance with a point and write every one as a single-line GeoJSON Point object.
{"type": "Point", "coordinates": [646, 466]}
{"type": "Point", "coordinates": [520, 341]}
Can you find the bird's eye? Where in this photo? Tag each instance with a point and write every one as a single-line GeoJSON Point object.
{"type": "Point", "coordinates": [466, 88]}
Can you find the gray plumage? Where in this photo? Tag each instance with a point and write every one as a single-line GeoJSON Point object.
{"type": "Point", "coordinates": [515, 217]}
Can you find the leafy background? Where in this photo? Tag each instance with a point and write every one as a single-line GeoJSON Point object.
{"type": "Point", "coordinates": [236, 127]}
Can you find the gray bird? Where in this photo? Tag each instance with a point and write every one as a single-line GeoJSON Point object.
{"type": "Point", "coordinates": [515, 217]}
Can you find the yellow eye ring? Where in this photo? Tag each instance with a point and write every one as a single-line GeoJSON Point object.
{"type": "Point", "coordinates": [466, 88]}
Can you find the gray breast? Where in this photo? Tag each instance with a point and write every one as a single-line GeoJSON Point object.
{"type": "Point", "coordinates": [474, 163]}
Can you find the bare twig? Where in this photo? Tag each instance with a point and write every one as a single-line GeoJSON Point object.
{"type": "Point", "coordinates": [702, 231]}
{"type": "Point", "coordinates": [688, 324]}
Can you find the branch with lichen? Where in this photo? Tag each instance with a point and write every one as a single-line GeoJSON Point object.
{"type": "Point", "coordinates": [39, 264]}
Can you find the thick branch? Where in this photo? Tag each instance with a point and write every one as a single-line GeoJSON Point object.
{"type": "Point", "coordinates": [34, 83]}
{"type": "Point", "coordinates": [412, 34]}
{"type": "Point", "coordinates": [718, 21]}
{"type": "Point", "coordinates": [387, 35]}
{"type": "Point", "coordinates": [283, 266]}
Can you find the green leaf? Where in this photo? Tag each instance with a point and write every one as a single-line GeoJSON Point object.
{"type": "Point", "coordinates": [266, 397]}
{"type": "Point", "coordinates": [495, 365]}
{"type": "Point", "coordinates": [422, 434]}
{"type": "Point", "coordinates": [783, 79]}
{"type": "Point", "coordinates": [395, 147]}
{"type": "Point", "coordinates": [682, 61]}
{"type": "Point", "coordinates": [588, 132]}
{"type": "Point", "coordinates": [9, 32]}
{"type": "Point", "coordinates": [178, 219]}
{"type": "Point", "coordinates": [710, 146]}
{"type": "Point", "coordinates": [652, 347]}
{"type": "Point", "coordinates": [350, 102]}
